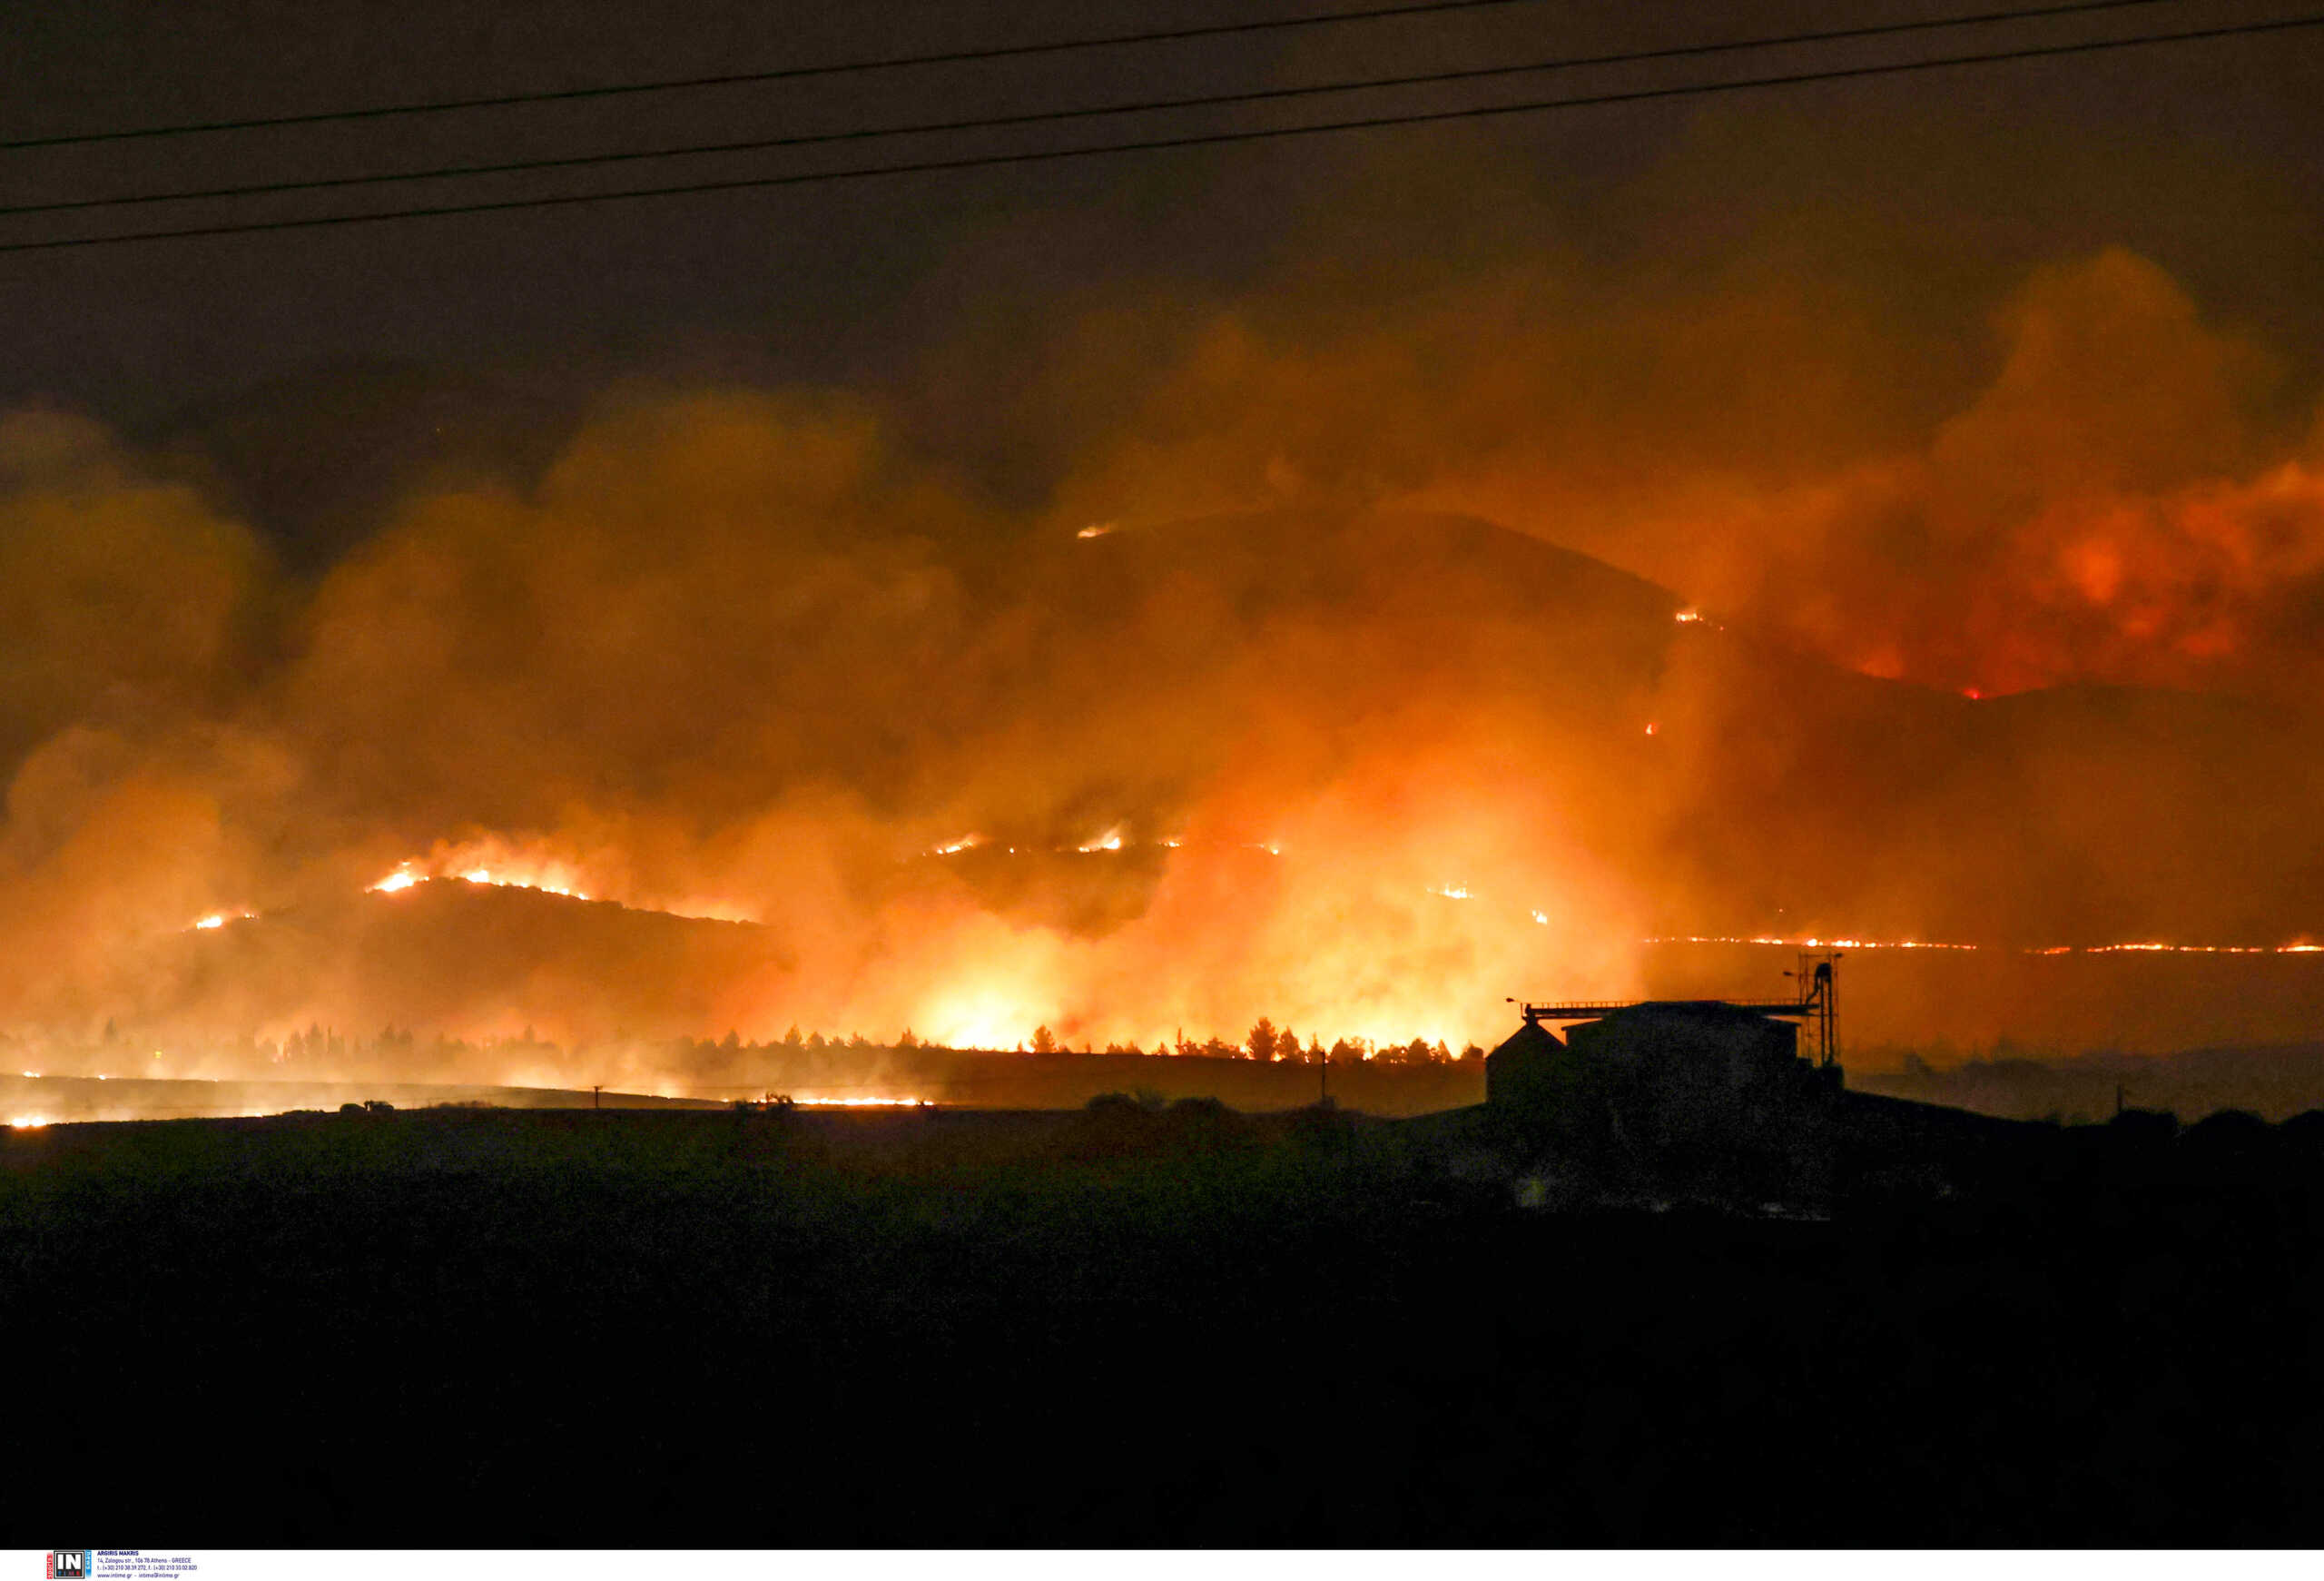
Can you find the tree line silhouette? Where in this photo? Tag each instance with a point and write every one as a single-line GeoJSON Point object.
{"type": "Point", "coordinates": [319, 1049]}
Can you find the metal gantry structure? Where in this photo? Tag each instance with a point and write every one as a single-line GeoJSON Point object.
{"type": "Point", "coordinates": [1816, 1003]}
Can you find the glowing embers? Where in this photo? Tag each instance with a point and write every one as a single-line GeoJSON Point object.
{"type": "Point", "coordinates": [219, 919]}
{"type": "Point", "coordinates": [2141, 947]}
{"type": "Point", "coordinates": [2145, 949]}
{"type": "Point", "coordinates": [1808, 943]}
{"type": "Point", "coordinates": [863, 1103]}
{"type": "Point", "coordinates": [1114, 839]}
{"type": "Point", "coordinates": [1454, 892]}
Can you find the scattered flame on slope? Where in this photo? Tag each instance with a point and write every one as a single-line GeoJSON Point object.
{"type": "Point", "coordinates": [954, 848]}
{"type": "Point", "coordinates": [1455, 892]}
{"type": "Point", "coordinates": [487, 861]}
{"type": "Point", "coordinates": [27, 1121]}
{"type": "Point", "coordinates": [509, 880]}
{"type": "Point", "coordinates": [219, 919]}
{"type": "Point", "coordinates": [509, 865]}
{"type": "Point", "coordinates": [1111, 840]}
{"type": "Point", "coordinates": [1096, 530]}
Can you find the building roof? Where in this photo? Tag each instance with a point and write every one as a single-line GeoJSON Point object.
{"type": "Point", "coordinates": [1532, 1038]}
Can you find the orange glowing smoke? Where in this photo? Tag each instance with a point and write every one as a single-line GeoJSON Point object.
{"type": "Point", "coordinates": [766, 661]}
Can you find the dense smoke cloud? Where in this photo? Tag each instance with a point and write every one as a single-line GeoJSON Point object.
{"type": "Point", "coordinates": [731, 659]}
{"type": "Point", "coordinates": [2120, 501]}
{"type": "Point", "coordinates": [1226, 701]}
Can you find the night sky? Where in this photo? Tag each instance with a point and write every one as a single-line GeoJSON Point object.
{"type": "Point", "coordinates": [1923, 197]}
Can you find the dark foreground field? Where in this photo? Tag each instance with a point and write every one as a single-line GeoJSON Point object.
{"type": "Point", "coordinates": [686, 1328]}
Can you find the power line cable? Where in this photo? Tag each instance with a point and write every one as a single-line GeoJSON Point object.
{"type": "Point", "coordinates": [775, 75]}
{"type": "Point", "coordinates": [1193, 140]}
{"type": "Point", "coordinates": [1036, 117]}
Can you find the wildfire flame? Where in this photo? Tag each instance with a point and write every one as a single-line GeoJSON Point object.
{"type": "Point", "coordinates": [219, 919]}
{"type": "Point", "coordinates": [863, 1103]}
{"type": "Point", "coordinates": [1111, 840]}
{"type": "Point", "coordinates": [506, 864]}
{"type": "Point", "coordinates": [2141, 947]}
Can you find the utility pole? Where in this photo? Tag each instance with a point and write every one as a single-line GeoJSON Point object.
{"type": "Point", "coordinates": [600, 1087]}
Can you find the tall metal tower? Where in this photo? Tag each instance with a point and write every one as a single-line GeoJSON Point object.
{"type": "Point", "coordinates": [1819, 994]}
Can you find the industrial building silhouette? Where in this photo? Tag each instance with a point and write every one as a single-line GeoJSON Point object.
{"type": "Point", "coordinates": [1671, 1074]}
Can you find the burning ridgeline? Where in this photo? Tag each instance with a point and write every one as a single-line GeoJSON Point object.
{"type": "Point", "coordinates": [1672, 1075]}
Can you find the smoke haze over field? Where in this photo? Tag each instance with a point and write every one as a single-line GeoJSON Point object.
{"type": "Point", "coordinates": [1270, 626]}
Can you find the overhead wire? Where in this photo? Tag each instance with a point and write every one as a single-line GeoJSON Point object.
{"type": "Point", "coordinates": [1038, 117]}
{"type": "Point", "coordinates": [1190, 140]}
{"type": "Point", "coordinates": [771, 74]}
